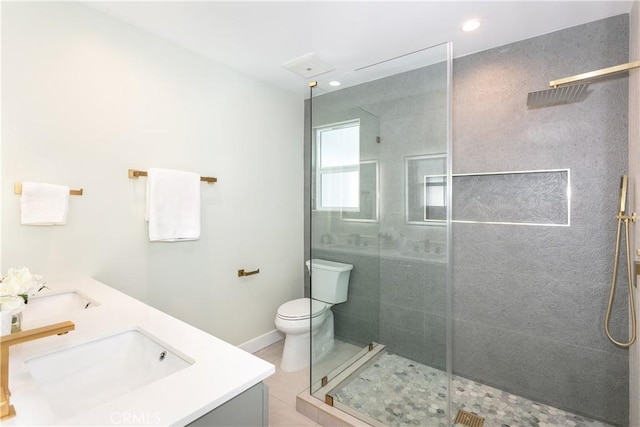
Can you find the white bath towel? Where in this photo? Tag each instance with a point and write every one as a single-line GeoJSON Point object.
{"type": "Point", "coordinates": [44, 204]}
{"type": "Point", "coordinates": [173, 205]}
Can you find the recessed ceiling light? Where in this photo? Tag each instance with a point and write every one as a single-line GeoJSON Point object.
{"type": "Point", "coordinates": [334, 83]}
{"type": "Point", "coordinates": [471, 25]}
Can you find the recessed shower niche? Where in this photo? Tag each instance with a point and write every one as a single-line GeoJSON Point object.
{"type": "Point", "coordinates": [533, 197]}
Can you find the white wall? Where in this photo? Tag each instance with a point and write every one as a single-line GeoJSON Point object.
{"type": "Point", "coordinates": [1, 182]}
{"type": "Point", "coordinates": [634, 173]}
{"type": "Point", "coordinates": [86, 97]}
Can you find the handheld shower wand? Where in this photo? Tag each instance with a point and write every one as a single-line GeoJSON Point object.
{"type": "Point", "coordinates": [632, 310]}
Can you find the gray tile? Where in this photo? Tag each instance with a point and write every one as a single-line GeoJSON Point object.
{"type": "Point", "coordinates": [536, 305]}
{"type": "Point", "coordinates": [408, 393]}
{"type": "Point", "coordinates": [549, 371]}
{"type": "Point", "coordinates": [520, 197]}
{"type": "Point", "coordinates": [401, 316]}
{"type": "Point", "coordinates": [405, 342]}
{"type": "Point", "coordinates": [355, 330]}
{"type": "Point", "coordinates": [358, 307]}
{"type": "Point", "coordinates": [435, 339]}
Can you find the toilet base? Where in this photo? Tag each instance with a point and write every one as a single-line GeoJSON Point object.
{"type": "Point", "coordinates": [322, 341]}
{"type": "Point", "coordinates": [296, 354]}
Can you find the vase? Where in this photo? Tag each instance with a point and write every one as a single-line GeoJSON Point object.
{"type": "Point", "coordinates": [16, 322]}
{"type": "Point", "coordinates": [11, 310]}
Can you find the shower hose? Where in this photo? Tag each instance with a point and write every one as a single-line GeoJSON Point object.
{"type": "Point", "coordinates": [632, 310]}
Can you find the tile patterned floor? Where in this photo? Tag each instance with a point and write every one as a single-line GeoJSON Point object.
{"type": "Point", "coordinates": [399, 392]}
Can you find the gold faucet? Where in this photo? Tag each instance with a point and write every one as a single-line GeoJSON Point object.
{"type": "Point", "coordinates": [6, 408]}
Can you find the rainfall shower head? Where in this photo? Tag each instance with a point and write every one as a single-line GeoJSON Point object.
{"type": "Point", "coordinates": [562, 91]}
{"type": "Point", "coordinates": [557, 95]}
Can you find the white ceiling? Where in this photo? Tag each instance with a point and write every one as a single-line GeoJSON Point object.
{"type": "Point", "coordinates": [257, 37]}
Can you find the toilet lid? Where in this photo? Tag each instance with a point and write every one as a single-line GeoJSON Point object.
{"type": "Point", "coordinates": [299, 309]}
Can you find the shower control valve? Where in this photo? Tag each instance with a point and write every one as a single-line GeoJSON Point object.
{"type": "Point", "coordinates": [633, 217]}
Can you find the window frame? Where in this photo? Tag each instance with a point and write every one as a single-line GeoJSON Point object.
{"type": "Point", "coordinates": [319, 171]}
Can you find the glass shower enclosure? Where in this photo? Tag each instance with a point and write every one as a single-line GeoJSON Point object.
{"type": "Point", "coordinates": [379, 150]}
{"type": "Point", "coordinates": [482, 261]}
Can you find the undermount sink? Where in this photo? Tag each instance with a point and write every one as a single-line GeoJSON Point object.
{"type": "Point", "coordinates": [78, 378]}
{"type": "Point", "coordinates": [55, 303]}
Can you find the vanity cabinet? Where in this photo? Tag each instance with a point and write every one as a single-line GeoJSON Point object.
{"type": "Point", "coordinates": [248, 409]}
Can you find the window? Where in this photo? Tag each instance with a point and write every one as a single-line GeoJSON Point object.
{"type": "Point", "coordinates": [337, 167]}
{"type": "Point", "coordinates": [369, 200]}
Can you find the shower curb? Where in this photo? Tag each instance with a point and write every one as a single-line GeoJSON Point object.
{"type": "Point", "coordinates": [323, 414]}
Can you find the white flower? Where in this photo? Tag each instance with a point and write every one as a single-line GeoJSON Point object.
{"type": "Point", "coordinates": [20, 281]}
{"type": "Point", "coordinates": [11, 303]}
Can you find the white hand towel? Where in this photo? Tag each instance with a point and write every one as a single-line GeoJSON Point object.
{"type": "Point", "coordinates": [173, 205]}
{"type": "Point", "coordinates": [44, 204]}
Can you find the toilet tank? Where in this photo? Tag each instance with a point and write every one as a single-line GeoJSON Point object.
{"type": "Point", "coordinates": [329, 280]}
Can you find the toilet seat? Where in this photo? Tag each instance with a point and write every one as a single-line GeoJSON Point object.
{"type": "Point", "coordinates": [298, 309]}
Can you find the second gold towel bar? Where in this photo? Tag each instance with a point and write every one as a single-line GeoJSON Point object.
{"type": "Point", "coordinates": [17, 189]}
{"type": "Point", "coordinates": [134, 174]}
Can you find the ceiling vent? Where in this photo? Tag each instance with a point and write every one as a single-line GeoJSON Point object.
{"type": "Point", "coordinates": [307, 66]}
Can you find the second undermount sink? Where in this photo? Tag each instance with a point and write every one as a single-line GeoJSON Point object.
{"type": "Point", "coordinates": [80, 377]}
{"type": "Point", "coordinates": [54, 303]}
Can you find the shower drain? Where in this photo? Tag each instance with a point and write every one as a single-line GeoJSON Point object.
{"type": "Point", "coordinates": [469, 419]}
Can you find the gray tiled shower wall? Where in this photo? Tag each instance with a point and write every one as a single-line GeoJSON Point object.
{"type": "Point", "coordinates": [528, 301]}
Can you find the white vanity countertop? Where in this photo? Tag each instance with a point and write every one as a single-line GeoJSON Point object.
{"type": "Point", "coordinates": [221, 371]}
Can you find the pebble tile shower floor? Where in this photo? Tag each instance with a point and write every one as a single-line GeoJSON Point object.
{"type": "Point", "coordinates": [400, 392]}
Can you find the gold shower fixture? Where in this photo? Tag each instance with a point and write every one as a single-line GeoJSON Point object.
{"type": "Point", "coordinates": [594, 74]}
{"type": "Point", "coordinates": [574, 88]}
{"type": "Point", "coordinates": [626, 219]}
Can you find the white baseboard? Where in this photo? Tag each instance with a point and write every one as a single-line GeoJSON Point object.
{"type": "Point", "coordinates": [262, 341]}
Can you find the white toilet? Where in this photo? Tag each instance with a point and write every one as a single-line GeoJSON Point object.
{"type": "Point", "coordinates": [330, 282]}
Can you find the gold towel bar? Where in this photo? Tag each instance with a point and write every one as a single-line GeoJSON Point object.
{"type": "Point", "coordinates": [17, 189]}
{"type": "Point", "coordinates": [134, 174]}
{"type": "Point", "coordinates": [242, 273]}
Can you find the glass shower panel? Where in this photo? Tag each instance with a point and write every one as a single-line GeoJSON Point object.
{"type": "Point", "coordinates": [344, 226]}
{"type": "Point", "coordinates": [389, 360]}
